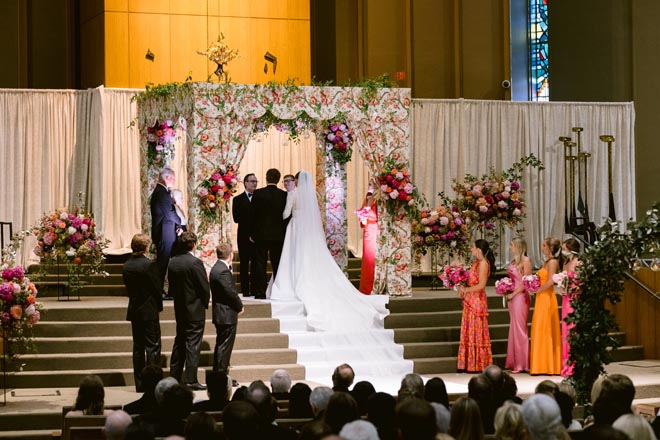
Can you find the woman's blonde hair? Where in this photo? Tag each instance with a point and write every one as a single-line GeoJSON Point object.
{"type": "Point", "coordinates": [509, 422]}
{"type": "Point", "coordinates": [520, 245]}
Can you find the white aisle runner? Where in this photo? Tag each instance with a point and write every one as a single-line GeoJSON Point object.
{"type": "Point", "coordinates": [373, 354]}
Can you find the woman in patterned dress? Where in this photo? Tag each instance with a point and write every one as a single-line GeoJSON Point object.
{"type": "Point", "coordinates": [474, 351]}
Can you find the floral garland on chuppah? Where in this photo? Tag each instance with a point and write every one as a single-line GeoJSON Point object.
{"type": "Point", "coordinates": [221, 119]}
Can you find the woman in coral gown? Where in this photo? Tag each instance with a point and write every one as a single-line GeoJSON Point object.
{"type": "Point", "coordinates": [368, 215]}
{"type": "Point", "coordinates": [545, 353]}
{"type": "Point", "coordinates": [570, 251]}
{"type": "Point", "coordinates": [517, 351]}
{"type": "Point", "coordinates": [474, 351]}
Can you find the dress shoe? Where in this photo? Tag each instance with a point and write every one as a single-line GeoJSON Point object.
{"type": "Point", "coordinates": [196, 386]}
{"type": "Point", "coordinates": [234, 383]}
{"type": "Point", "coordinates": [167, 298]}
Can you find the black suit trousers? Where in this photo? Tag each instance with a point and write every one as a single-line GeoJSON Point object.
{"type": "Point", "coordinates": [266, 248]}
{"type": "Point", "coordinates": [224, 344]}
{"type": "Point", "coordinates": [186, 350]}
{"type": "Point", "coordinates": [247, 252]}
{"type": "Point", "coordinates": [146, 347]}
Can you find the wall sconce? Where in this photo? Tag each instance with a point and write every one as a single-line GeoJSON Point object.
{"type": "Point", "coordinates": [150, 55]}
{"type": "Point", "coordinates": [270, 58]}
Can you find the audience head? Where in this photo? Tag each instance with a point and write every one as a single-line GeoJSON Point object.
{"type": "Point", "coordinates": [546, 387]}
{"type": "Point", "coordinates": [566, 404]}
{"type": "Point", "coordinates": [188, 240]}
{"type": "Point", "coordinates": [465, 420]}
{"type": "Point", "coordinates": [495, 376]}
{"type": "Point", "coordinates": [342, 377]}
{"type": "Point", "coordinates": [359, 430]}
{"type": "Point", "coordinates": [415, 419]}
{"type": "Point", "coordinates": [177, 402]}
{"type": "Point", "coordinates": [361, 392]}
{"type": "Point", "coordinates": [634, 426]}
{"type": "Point", "coordinates": [479, 388]}
{"type": "Point", "coordinates": [435, 390]}
{"type": "Point", "coordinates": [596, 387]}
{"type": "Point", "coordinates": [510, 389]}
{"type": "Point", "coordinates": [163, 385]}
{"type": "Point", "coordinates": [567, 388]}
{"type": "Point", "coordinates": [482, 247]}
{"type": "Point", "coordinates": [280, 381]}
{"type": "Point", "coordinates": [240, 394]}
{"type": "Point", "coordinates": [273, 176]}
{"type": "Point", "coordinates": [607, 432]}
{"type": "Point", "coordinates": [91, 396]}
{"type": "Point", "coordinates": [319, 399]}
{"type": "Point", "coordinates": [442, 416]}
{"type": "Point", "coordinates": [224, 250]}
{"type": "Point", "coordinates": [151, 375]}
{"type": "Point", "coordinates": [412, 386]}
{"type": "Point", "coordinates": [543, 417]}
{"type": "Point", "coordinates": [509, 423]}
{"type": "Point", "coordinates": [259, 396]}
{"type": "Point", "coordinates": [140, 244]}
{"type": "Point", "coordinates": [218, 385]}
{"type": "Point", "coordinates": [299, 406]}
{"type": "Point", "coordinates": [115, 425]}
{"type": "Point", "coordinates": [201, 426]}
{"type": "Point", "coordinates": [139, 430]}
{"type": "Point", "coordinates": [167, 177]}
{"type": "Point", "coordinates": [342, 408]}
{"type": "Point", "coordinates": [381, 412]}
{"type": "Point", "coordinates": [615, 399]}
{"type": "Point", "coordinates": [315, 430]}
{"type": "Point", "coordinates": [240, 421]}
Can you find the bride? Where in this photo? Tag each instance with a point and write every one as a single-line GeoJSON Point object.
{"type": "Point", "coordinates": [308, 273]}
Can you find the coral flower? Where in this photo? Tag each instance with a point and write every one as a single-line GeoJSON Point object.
{"type": "Point", "coordinates": [16, 312]}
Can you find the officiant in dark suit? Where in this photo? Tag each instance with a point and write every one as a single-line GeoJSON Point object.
{"type": "Point", "coordinates": [144, 287]}
{"type": "Point", "coordinates": [190, 288]}
{"type": "Point", "coordinates": [164, 219]}
{"type": "Point", "coordinates": [226, 306]}
{"type": "Point", "coordinates": [242, 211]}
{"type": "Point", "coordinates": [269, 228]}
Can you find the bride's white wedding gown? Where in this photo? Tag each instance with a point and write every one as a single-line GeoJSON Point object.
{"type": "Point", "coordinates": [328, 320]}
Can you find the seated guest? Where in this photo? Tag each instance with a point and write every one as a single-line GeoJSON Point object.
{"type": "Point", "coordinates": [299, 406]}
{"type": "Point", "coordinates": [381, 412]}
{"type": "Point", "coordinates": [480, 390]}
{"type": "Point", "coordinates": [201, 426]}
{"type": "Point", "coordinates": [510, 389]}
{"type": "Point", "coordinates": [139, 430]}
{"type": "Point", "coordinates": [172, 414]}
{"type": "Point", "coordinates": [359, 430]}
{"type": "Point", "coordinates": [442, 416]}
{"type": "Point", "coordinates": [280, 384]}
{"type": "Point", "coordinates": [543, 418]}
{"type": "Point", "coordinates": [495, 376]}
{"type": "Point", "coordinates": [342, 408]}
{"type": "Point", "coordinates": [435, 390]}
{"type": "Point", "coordinates": [464, 422]}
{"type": "Point", "coordinates": [259, 396]}
{"type": "Point", "coordinates": [218, 386]}
{"type": "Point", "coordinates": [90, 399]}
{"type": "Point", "coordinates": [566, 405]}
{"type": "Point", "coordinates": [315, 430]}
{"type": "Point", "coordinates": [162, 386]}
{"type": "Point", "coordinates": [240, 421]}
{"type": "Point", "coordinates": [546, 386]}
{"type": "Point", "coordinates": [412, 385]}
{"type": "Point", "coordinates": [318, 400]}
{"type": "Point", "coordinates": [415, 419]}
{"type": "Point", "coordinates": [634, 426]}
{"type": "Point", "coordinates": [116, 424]}
{"type": "Point", "coordinates": [240, 394]}
{"type": "Point", "coordinates": [151, 375]}
{"type": "Point", "coordinates": [342, 378]}
{"type": "Point", "coordinates": [615, 399]}
{"type": "Point", "coordinates": [361, 392]}
{"type": "Point", "coordinates": [509, 422]}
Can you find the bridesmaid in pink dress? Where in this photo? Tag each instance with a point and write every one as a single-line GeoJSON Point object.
{"type": "Point", "coordinates": [517, 351]}
{"type": "Point", "coordinates": [370, 225]}
{"type": "Point", "coordinates": [570, 251]}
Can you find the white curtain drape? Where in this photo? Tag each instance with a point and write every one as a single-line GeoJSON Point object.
{"type": "Point", "coordinates": [453, 137]}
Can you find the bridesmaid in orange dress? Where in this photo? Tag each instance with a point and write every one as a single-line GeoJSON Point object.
{"type": "Point", "coordinates": [570, 251]}
{"type": "Point", "coordinates": [545, 353]}
{"type": "Point", "coordinates": [369, 223]}
{"type": "Point", "coordinates": [474, 351]}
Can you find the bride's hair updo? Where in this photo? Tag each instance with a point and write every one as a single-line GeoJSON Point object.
{"type": "Point", "coordinates": [485, 249]}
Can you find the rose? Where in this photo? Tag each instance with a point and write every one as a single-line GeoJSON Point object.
{"type": "Point", "coordinates": [216, 176]}
{"type": "Point", "coordinates": [16, 312]}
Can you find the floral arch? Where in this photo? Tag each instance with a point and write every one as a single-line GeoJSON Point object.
{"type": "Point", "coordinates": [220, 119]}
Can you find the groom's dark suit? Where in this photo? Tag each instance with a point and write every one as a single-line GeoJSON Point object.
{"type": "Point", "coordinates": [164, 220]}
{"type": "Point", "coordinates": [226, 307]}
{"type": "Point", "coordinates": [190, 288]}
{"type": "Point", "coordinates": [243, 212]}
{"type": "Point", "coordinates": [269, 230]}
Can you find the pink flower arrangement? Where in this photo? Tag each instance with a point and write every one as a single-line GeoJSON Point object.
{"type": "Point", "coordinates": [215, 191]}
{"type": "Point", "coordinates": [443, 226]}
{"type": "Point", "coordinates": [19, 309]}
{"type": "Point", "coordinates": [491, 197]}
{"type": "Point", "coordinates": [566, 282]}
{"type": "Point", "coordinates": [339, 137]}
{"type": "Point", "coordinates": [160, 143]}
{"type": "Point", "coordinates": [455, 275]}
{"type": "Point", "coordinates": [363, 214]}
{"type": "Point", "coordinates": [531, 283]}
{"type": "Point", "coordinates": [504, 286]}
{"type": "Point", "coordinates": [396, 187]}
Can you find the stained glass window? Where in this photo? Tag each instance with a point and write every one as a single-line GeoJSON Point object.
{"type": "Point", "coordinates": [538, 50]}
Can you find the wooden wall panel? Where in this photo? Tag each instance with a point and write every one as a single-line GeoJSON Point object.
{"type": "Point", "coordinates": [385, 38]}
{"type": "Point", "coordinates": [238, 35]}
{"type": "Point", "coordinates": [90, 9]}
{"type": "Point", "coordinates": [149, 6]}
{"type": "Point", "coordinates": [116, 5]}
{"type": "Point", "coordinates": [13, 22]}
{"type": "Point", "coordinates": [272, 9]}
{"type": "Point", "coordinates": [117, 66]}
{"type": "Point", "coordinates": [188, 7]}
{"type": "Point", "coordinates": [149, 31]}
{"type": "Point", "coordinates": [187, 36]}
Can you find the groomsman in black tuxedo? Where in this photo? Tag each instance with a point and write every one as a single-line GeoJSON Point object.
{"type": "Point", "coordinates": [269, 228]}
{"type": "Point", "coordinates": [243, 212]}
{"type": "Point", "coordinates": [164, 219]}
{"type": "Point", "coordinates": [190, 288]}
{"type": "Point", "coordinates": [226, 306]}
{"type": "Point", "coordinates": [144, 287]}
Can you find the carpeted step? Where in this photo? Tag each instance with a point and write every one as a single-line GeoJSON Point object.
{"type": "Point", "coordinates": [416, 350]}
{"type": "Point", "coordinates": [436, 304]}
{"type": "Point", "coordinates": [440, 319]}
{"type": "Point", "coordinates": [443, 365]}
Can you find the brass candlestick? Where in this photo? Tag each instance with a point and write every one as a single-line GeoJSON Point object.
{"type": "Point", "coordinates": [585, 157]}
{"type": "Point", "coordinates": [609, 139]}
{"type": "Point", "coordinates": [580, 201]}
{"type": "Point", "coordinates": [571, 168]}
{"type": "Point", "coordinates": [565, 140]}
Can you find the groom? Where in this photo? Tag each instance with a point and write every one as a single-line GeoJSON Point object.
{"type": "Point", "coordinates": [269, 229]}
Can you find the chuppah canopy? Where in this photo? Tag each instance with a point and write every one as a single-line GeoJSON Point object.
{"type": "Point", "coordinates": [220, 119]}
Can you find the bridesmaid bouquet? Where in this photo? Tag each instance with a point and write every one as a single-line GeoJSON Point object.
{"type": "Point", "coordinates": [566, 282]}
{"type": "Point", "coordinates": [455, 275]}
{"type": "Point", "coordinates": [504, 286]}
{"type": "Point", "coordinates": [531, 283]}
{"type": "Point", "coordinates": [363, 214]}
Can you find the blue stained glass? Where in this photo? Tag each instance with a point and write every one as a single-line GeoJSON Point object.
{"type": "Point", "coordinates": [538, 50]}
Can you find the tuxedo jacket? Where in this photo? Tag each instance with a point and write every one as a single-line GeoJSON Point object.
{"type": "Point", "coordinates": [269, 203]}
{"type": "Point", "coordinates": [189, 286]}
{"type": "Point", "coordinates": [144, 287]}
{"type": "Point", "coordinates": [226, 304]}
{"type": "Point", "coordinates": [163, 214]}
{"type": "Point", "coordinates": [242, 210]}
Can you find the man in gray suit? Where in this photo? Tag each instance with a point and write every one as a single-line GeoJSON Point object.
{"type": "Point", "coordinates": [227, 305]}
{"type": "Point", "coordinates": [189, 286]}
